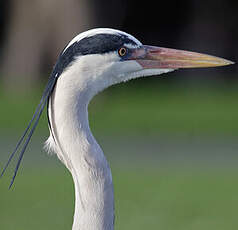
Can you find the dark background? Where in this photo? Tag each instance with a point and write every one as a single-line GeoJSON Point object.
{"type": "Point", "coordinates": [202, 26]}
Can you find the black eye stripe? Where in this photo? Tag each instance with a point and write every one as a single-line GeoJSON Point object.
{"type": "Point", "coordinates": [102, 43]}
{"type": "Point", "coordinates": [97, 44]}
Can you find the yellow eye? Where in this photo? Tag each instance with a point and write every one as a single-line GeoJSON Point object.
{"type": "Point", "coordinates": [122, 51]}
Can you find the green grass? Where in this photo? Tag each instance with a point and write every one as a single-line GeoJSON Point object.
{"type": "Point", "coordinates": [167, 110]}
{"type": "Point", "coordinates": [168, 199]}
{"type": "Point", "coordinates": [165, 198]}
{"type": "Point", "coordinates": [137, 108]}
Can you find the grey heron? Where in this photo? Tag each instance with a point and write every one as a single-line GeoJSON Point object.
{"type": "Point", "coordinates": [91, 62]}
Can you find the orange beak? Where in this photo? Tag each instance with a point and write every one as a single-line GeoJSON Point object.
{"type": "Point", "coordinates": [151, 57]}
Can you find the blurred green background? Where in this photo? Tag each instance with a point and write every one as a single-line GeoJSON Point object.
{"type": "Point", "coordinates": [171, 140]}
{"type": "Point", "coordinates": [172, 149]}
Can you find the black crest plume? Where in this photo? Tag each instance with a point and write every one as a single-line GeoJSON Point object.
{"type": "Point", "coordinates": [26, 136]}
{"type": "Point", "coordinates": [24, 140]}
{"type": "Point", "coordinates": [66, 57]}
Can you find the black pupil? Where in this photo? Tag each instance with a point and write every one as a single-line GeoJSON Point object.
{"type": "Point", "coordinates": [122, 51]}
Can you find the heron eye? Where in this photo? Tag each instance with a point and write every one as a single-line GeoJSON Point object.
{"type": "Point", "coordinates": [122, 51]}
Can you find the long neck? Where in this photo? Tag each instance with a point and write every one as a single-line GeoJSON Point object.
{"type": "Point", "coordinates": [79, 151]}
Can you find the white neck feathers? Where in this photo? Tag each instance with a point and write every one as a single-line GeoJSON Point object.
{"type": "Point", "coordinates": [76, 147]}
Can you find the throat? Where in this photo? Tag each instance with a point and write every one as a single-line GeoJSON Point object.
{"type": "Point", "coordinates": [76, 147]}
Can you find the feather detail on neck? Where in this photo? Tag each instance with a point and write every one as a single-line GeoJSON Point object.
{"type": "Point", "coordinates": [74, 144]}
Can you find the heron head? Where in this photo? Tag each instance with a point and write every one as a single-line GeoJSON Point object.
{"type": "Point", "coordinates": [98, 58]}
{"type": "Point", "coordinates": [103, 57]}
